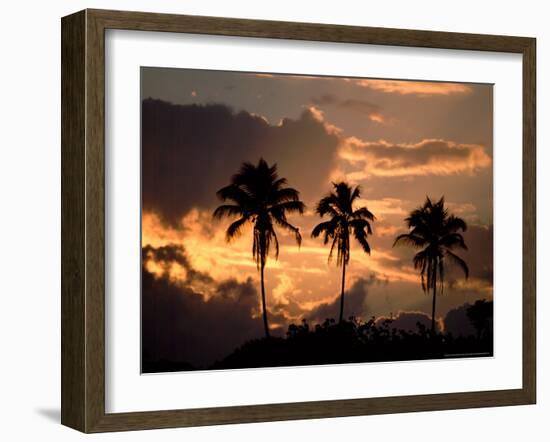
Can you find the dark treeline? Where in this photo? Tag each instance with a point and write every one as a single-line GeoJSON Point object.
{"type": "Point", "coordinates": [353, 341]}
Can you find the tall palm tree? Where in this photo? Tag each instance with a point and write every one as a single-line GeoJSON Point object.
{"type": "Point", "coordinates": [259, 197]}
{"type": "Point", "coordinates": [343, 222]}
{"type": "Point", "coordinates": [436, 232]}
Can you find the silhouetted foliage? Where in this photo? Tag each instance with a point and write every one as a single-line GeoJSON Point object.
{"type": "Point", "coordinates": [436, 232]}
{"type": "Point", "coordinates": [353, 341]}
{"type": "Point", "coordinates": [259, 197]}
{"type": "Point", "coordinates": [481, 316]}
{"type": "Point", "coordinates": [344, 220]}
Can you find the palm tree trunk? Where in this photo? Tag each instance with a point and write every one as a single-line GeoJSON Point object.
{"type": "Point", "coordinates": [264, 309]}
{"type": "Point", "coordinates": [342, 293]}
{"type": "Point", "coordinates": [434, 294]}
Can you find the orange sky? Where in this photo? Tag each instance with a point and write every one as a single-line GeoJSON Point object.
{"type": "Point", "coordinates": [400, 141]}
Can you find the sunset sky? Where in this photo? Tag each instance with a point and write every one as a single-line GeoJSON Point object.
{"type": "Point", "coordinates": [400, 141]}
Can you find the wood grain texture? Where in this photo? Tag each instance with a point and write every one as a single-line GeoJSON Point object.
{"type": "Point", "coordinates": [73, 128]}
{"type": "Point", "coordinates": [143, 21]}
{"type": "Point", "coordinates": [529, 220]}
{"type": "Point", "coordinates": [83, 220]}
{"type": "Point", "coordinates": [95, 222]}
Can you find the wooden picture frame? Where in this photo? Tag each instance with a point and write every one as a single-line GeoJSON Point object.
{"type": "Point", "coordinates": [83, 220]}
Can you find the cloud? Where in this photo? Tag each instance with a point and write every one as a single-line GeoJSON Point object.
{"type": "Point", "coordinates": [193, 318]}
{"type": "Point", "coordinates": [427, 157]}
{"type": "Point", "coordinates": [355, 299]}
{"type": "Point", "coordinates": [479, 256]}
{"type": "Point", "coordinates": [467, 211]}
{"type": "Point", "coordinates": [457, 322]}
{"type": "Point", "coordinates": [400, 87]}
{"type": "Point", "coordinates": [408, 321]}
{"type": "Point", "coordinates": [197, 148]}
{"type": "Point", "coordinates": [180, 323]}
{"type": "Point", "coordinates": [384, 207]}
{"type": "Point", "coordinates": [418, 88]}
{"type": "Point", "coordinates": [190, 151]}
{"type": "Point", "coordinates": [387, 229]}
{"type": "Point", "coordinates": [371, 110]}
{"type": "Point", "coordinates": [190, 316]}
{"type": "Point", "coordinates": [284, 289]}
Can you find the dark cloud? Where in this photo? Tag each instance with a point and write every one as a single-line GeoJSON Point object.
{"type": "Point", "coordinates": [181, 325]}
{"type": "Point", "coordinates": [408, 321]}
{"type": "Point", "coordinates": [457, 322]}
{"type": "Point", "coordinates": [190, 151]}
{"type": "Point", "coordinates": [165, 256]}
{"type": "Point", "coordinates": [288, 309]}
{"type": "Point", "coordinates": [355, 299]}
{"type": "Point", "coordinates": [352, 104]}
{"type": "Point", "coordinates": [479, 258]}
{"type": "Point", "coordinates": [479, 255]}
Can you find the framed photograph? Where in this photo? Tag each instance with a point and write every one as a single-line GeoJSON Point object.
{"type": "Point", "coordinates": [267, 220]}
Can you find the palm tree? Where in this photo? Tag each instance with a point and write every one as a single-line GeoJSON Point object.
{"type": "Point", "coordinates": [436, 232]}
{"type": "Point", "coordinates": [259, 197]}
{"type": "Point", "coordinates": [344, 220]}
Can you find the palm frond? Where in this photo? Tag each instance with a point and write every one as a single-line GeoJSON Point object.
{"type": "Point", "coordinates": [360, 224]}
{"type": "Point", "coordinates": [234, 193]}
{"type": "Point", "coordinates": [234, 228]}
{"type": "Point", "coordinates": [420, 259]}
{"type": "Point", "coordinates": [455, 223]}
{"type": "Point", "coordinates": [361, 237]}
{"type": "Point", "coordinates": [363, 212]}
{"type": "Point", "coordinates": [458, 261]}
{"type": "Point", "coordinates": [328, 227]}
{"type": "Point", "coordinates": [355, 194]}
{"type": "Point", "coordinates": [247, 173]}
{"type": "Point", "coordinates": [420, 262]}
{"type": "Point", "coordinates": [288, 207]}
{"type": "Point", "coordinates": [453, 240]}
{"type": "Point", "coordinates": [272, 238]}
{"type": "Point", "coordinates": [328, 206]}
{"type": "Point", "coordinates": [228, 210]}
{"type": "Point", "coordinates": [283, 195]}
{"type": "Point", "coordinates": [343, 200]}
{"type": "Point", "coordinates": [409, 239]}
{"type": "Point", "coordinates": [279, 183]}
{"type": "Point", "coordinates": [282, 222]}
{"type": "Point", "coordinates": [332, 246]}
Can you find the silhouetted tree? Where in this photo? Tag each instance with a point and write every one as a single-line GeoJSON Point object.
{"type": "Point", "coordinates": [259, 197]}
{"type": "Point", "coordinates": [436, 232]}
{"type": "Point", "coordinates": [343, 222]}
{"type": "Point", "coordinates": [353, 341]}
{"type": "Point", "coordinates": [480, 314]}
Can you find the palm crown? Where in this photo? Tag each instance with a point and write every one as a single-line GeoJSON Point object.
{"type": "Point", "coordinates": [343, 222]}
{"type": "Point", "coordinates": [259, 197]}
{"type": "Point", "coordinates": [437, 233]}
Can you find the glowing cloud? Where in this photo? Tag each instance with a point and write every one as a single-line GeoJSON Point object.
{"type": "Point", "coordinates": [427, 157]}
{"type": "Point", "coordinates": [419, 88]}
